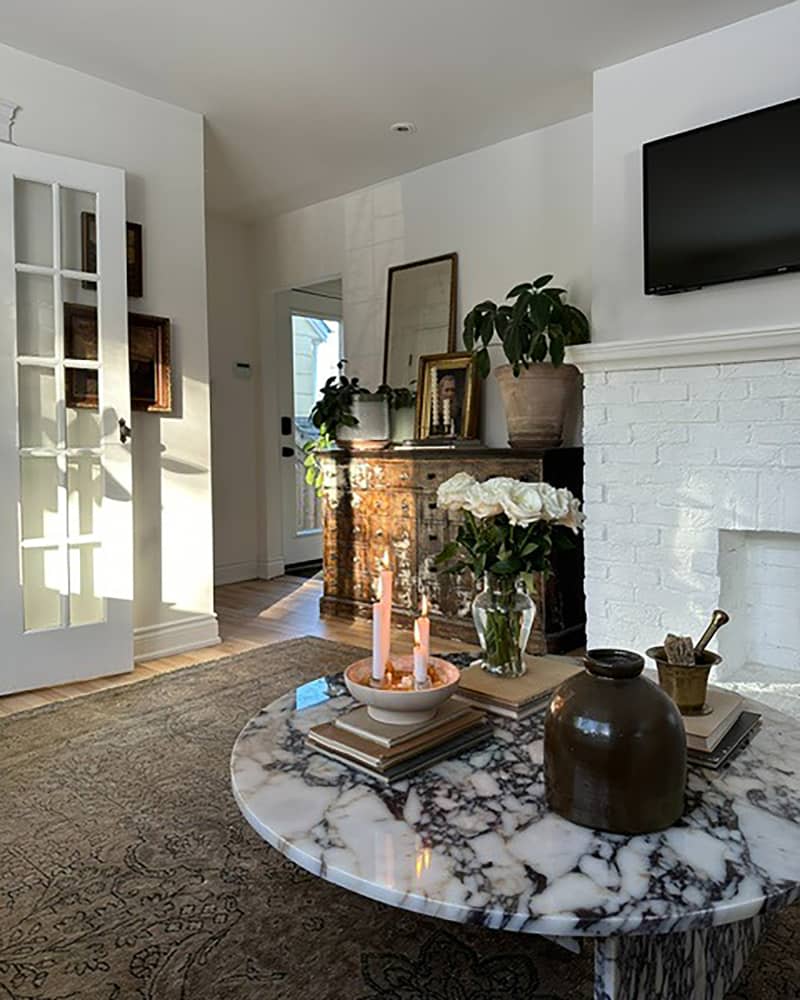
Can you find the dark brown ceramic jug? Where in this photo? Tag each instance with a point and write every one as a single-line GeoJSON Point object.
{"type": "Point", "coordinates": [614, 748]}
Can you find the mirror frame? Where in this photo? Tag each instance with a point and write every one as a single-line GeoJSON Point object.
{"type": "Point", "coordinates": [451, 333]}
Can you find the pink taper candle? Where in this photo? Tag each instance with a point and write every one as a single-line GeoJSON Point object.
{"type": "Point", "coordinates": [422, 644]}
{"type": "Point", "coordinates": [382, 622]}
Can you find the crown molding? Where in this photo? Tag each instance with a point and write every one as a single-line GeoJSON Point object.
{"type": "Point", "coordinates": [778, 344]}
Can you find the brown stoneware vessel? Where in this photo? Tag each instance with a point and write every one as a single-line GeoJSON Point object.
{"type": "Point", "coordinates": [614, 748]}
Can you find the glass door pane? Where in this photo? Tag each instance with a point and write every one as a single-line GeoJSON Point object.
{"type": "Point", "coordinates": [316, 346]}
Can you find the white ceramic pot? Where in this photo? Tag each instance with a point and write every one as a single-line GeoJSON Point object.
{"type": "Point", "coordinates": [403, 424]}
{"type": "Point", "coordinates": [400, 707]}
{"type": "Point", "coordinates": [372, 429]}
{"type": "Point", "coordinates": [536, 403]}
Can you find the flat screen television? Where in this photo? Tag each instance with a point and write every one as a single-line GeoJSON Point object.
{"type": "Point", "coordinates": [722, 202]}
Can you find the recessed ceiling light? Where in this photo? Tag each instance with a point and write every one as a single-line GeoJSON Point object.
{"type": "Point", "coordinates": [403, 128]}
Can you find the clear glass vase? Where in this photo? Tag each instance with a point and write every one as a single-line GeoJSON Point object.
{"type": "Point", "coordinates": [503, 613]}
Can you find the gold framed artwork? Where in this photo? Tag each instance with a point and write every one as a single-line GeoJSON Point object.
{"type": "Point", "coordinates": [133, 252]}
{"type": "Point", "coordinates": [149, 359]}
{"type": "Point", "coordinates": [448, 397]}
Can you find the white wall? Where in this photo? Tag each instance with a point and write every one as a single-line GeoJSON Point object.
{"type": "Point", "coordinates": [161, 148]}
{"type": "Point", "coordinates": [510, 211]}
{"type": "Point", "coordinates": [740, 68]}
{"type": "Point", "coordinates": [232, 333]}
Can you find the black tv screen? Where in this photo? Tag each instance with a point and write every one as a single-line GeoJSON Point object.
{"type": "Point", "coordinates": [722, 202]}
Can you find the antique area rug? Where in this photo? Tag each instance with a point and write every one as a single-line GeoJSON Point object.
{"type": "Point", "coordinates": [126, 870]}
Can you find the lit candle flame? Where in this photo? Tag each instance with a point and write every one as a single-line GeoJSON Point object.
{"type": "Point", "coordinates": [425, 608]}
{"type": "Point", "coordinates": [378, 588]}
{"type": "Point", "coordinates": [417, 640]}
{"type": "Point", "coordinates": [385, 563]}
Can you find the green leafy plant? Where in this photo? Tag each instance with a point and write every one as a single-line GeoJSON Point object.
{"type": "Point", "coordinates": [399, 399]}
{"type": "Point", "coordinates": [534, 323]}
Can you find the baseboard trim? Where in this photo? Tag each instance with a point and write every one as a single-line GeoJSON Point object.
{"type": "Point", "coordinates": [270, 568]}
{"type": "Point", "coordinates": [235, 572]}
{"type": "Point", "coordinates": [150, 642]}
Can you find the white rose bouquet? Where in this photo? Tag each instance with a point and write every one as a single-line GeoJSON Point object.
{"type": "Point", "coordinates": [508, 534]}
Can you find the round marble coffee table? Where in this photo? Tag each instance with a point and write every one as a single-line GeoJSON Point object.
{"type": "Point", "coordinates": [673, 915]}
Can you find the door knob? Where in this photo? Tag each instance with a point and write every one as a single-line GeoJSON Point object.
{"type": "Point", "coordinates": [125, 432]}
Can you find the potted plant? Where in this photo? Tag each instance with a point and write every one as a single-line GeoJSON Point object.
{"type": "Point", "coordinates": [508, 532]}
{"type": "Point", "coordinates": [402, 412]}
{"type": "Point", "coordinates": [346, 414]}
{"type": "Point", "coordinates": [534, 324]}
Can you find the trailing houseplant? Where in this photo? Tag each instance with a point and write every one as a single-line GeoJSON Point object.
{"type": "Point", "coordinates": [402, 411]}
{"type": "Point", "coordinates": [508, 533]}
{"type": "Point", "coordinates": [534, 326]}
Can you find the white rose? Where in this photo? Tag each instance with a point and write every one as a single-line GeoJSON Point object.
{"type": "Point", "coordinates": [486, 499]}
{"type": "Point", "coordinates": [574, 518]}
{"type": "Point", "coordinates": [453, 494]}
{"type": "Point", "coordinates": [522, 503]}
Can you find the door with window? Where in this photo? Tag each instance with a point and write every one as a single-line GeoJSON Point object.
{"type": "Point", "coordinates": [65, 499]}
{"type": "Point", "coordinates": [311, 347]}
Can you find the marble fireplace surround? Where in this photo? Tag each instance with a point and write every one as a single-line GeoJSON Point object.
{"type": "Point", "coordinates": [692, 452]}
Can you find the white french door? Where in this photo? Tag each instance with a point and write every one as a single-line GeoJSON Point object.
{"type": "Point", "coordinates": [310, 344]}
{"type": "Point", "coordinates": [66, 576]}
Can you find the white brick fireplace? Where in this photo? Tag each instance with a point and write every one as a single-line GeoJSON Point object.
{"type": "Point", "coordinates": [692, 477]}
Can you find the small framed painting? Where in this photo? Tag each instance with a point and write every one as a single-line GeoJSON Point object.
{"type": "Point", "coordinates": [150, 361]}
{"type": "Point", "coordinates": [133, 249]}
{"type": "Point", "coordinates": [448, 400]}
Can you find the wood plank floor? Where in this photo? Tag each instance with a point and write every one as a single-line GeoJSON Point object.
{"type": "Point", "coordinates": [251, 614]}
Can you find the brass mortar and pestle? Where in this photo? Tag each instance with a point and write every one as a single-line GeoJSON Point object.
{"type": "Point", "coordinates": [683, 669]}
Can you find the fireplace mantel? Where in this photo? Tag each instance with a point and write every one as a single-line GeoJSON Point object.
{"type": "Point", "coordinates": [735, 347]}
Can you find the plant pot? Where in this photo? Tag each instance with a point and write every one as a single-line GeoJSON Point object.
{"type": "Point", "coordinates": [402, 421]}
{"type": "Point", "coordinates": [537, 402]}
{"type": "Point", "coordinates": [372, 429]}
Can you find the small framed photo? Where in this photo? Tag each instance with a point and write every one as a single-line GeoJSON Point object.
{"type": "Point", "coordinates": [133, 249]}
{"type": "Point", "coordinates": [150, 359]}
{"type": "Point", "coordinates": [448, 398]}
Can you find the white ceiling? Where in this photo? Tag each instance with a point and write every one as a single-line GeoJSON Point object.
{"type": "Point", "coordinates": [299, 94]}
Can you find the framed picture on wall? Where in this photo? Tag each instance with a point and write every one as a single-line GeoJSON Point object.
{"type": "Point", "coordinates": [149, 359]}
{"type": "Point", "coordinates": [133, 249]}
{"type": "Point", "coordinates": [448, 397]}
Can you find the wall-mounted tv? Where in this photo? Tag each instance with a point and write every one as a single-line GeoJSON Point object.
{"type": "Point", "coordinates": [722, 202]}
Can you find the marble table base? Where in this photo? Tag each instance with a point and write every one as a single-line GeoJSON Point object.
{"type": "Point", "coordinates": [695, 965]}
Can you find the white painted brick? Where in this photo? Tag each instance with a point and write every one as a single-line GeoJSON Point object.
{"type": "Point", "coordinates": [661, 433]}
{"type": "Point", "coordinates": [594, 532]}
{"type": "Point", "coordinates": [792, 367]}
{"type": "Point", "coordinates": [752, 455]}
{"type": "Point", "coordinates": [635, 576]}
{"type": "Point", "coordinates": [610, 394]}
{"type": "Point", "coordinates": [594, 414]}
{"type": "Point", "coordinates": [779, 500]}
{"type": "Point", "coordinates": [617, 513]}
{"type": "Point", "coordinates": [706, 434]}
{"type": "Point", "coordinates": [634, 377]}
{"type": "Point", "coordinates": [606, 433]}
{"type": "Point", "coordinates": [653, 392]}
{"type": "Point", "coordinates": [777, 386]}
{"type": "Point", "coordinates": [791, 409]}
{"type": "Point", "coordinates": [749, 411]}
{"type": "Point", "coordinates": [691, 373]}
{"type": "Point", "coordinates": [641, 614]}
{"type": "Point", "coordinates": [591, 379]}
{"type": "Point", "coordinates": [791, 456]}
{"type": "Point", "coordinates": [593, 493]}
{"type": "Point", "coordinates": [705, 563]}
{"type": "Point", "coordinates": [753, 369]}
{"type": "Point", "coordinates": [783, 433]}
{"type": "Point", "coordinates": [631, 454]}
{"type": "Point", "coordinates": [720, 389]}
{"type": "Point", "coordinates": [686, 454]}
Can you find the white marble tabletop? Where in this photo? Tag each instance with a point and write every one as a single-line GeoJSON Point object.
{"type": "Point", "coordinates": [472, 839]}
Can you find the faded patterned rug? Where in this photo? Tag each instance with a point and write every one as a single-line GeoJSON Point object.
{"type": "Point", "coordinates": [126, 870]}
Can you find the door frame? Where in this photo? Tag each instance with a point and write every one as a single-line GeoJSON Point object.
{"type": "Point", "coordinates": [288, 303]}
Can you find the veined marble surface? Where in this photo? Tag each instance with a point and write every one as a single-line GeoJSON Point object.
{"type": "Point", "coordinates": [471, 839]}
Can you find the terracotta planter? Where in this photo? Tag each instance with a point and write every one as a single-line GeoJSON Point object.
{"type": "Point", "coordinates": [537, 402]}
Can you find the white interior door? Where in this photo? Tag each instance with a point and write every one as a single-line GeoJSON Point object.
{"type": "Point", "coordinates": [311, 344]}
{"type": "Point", "coordinates": [65, 499]}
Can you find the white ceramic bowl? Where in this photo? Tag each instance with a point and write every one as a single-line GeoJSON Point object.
{"type": "Point", "coordinates": [401, 708]}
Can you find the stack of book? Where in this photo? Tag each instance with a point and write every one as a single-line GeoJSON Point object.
{"type": "Point", "coordinates": [516, 697]}
{"type": "Point", "coordinates": [713, 738]}
{"type": "Point", "coordinates": [392, 752]}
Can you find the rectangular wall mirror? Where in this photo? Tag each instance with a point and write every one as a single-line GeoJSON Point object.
{"type": "Point", "coordinates": [420, 315]}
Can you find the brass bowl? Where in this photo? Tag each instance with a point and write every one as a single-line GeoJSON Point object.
{"type": "Point", "coordinates": [687, 686]}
